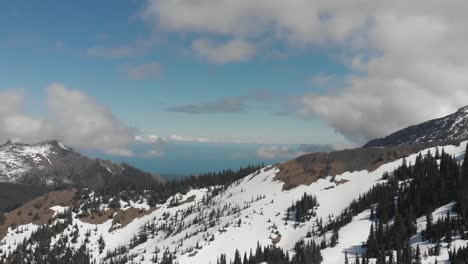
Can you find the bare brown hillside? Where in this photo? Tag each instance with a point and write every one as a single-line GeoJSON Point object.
{"type": "Point", "coordinates": [38, 210]}
{"type": "Point", "coordinates": [308, 168]}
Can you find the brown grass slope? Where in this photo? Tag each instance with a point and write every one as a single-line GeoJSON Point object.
{"type": "Point", "coordinates": [308, 168]}
{"type": "Point", "coordinates": [37, 211]}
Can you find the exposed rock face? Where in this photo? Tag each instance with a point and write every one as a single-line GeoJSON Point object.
{"type": "Point", "coordinates": [53, 164]}
{"type": "Point", "coordinates": [453, 127]}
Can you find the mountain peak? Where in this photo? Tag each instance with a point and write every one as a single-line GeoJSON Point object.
{"type": "Point", "coordinates": [7, 143]}
{"type": "Point", "coordinates": [56, 143]}
{"type": "Point", "coordinates": [42, 143]}
{"type": "Point", "coordinates": [463, 109]}
{"type": "Point", "coordinates": [452, 128]}
{"type": "Point", "coordinates": [52, 163]}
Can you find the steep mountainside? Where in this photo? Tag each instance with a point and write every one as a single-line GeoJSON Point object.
{"type": "Point", "coordinates": [53, 164]}
{"type": "Point", "coordinates": [198, 226]}
{"type": "Point", "coordinates": [452, 128]}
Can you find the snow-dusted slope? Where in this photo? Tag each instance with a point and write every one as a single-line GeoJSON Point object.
{"type": "Point", "coordinates": [453, 127]}
{"type": "Point", "coordinates": [52, 163]}
{"type": "Point", "coordinates": [205, 223]}
{"type": "Point", "coordinates": [17, 159]}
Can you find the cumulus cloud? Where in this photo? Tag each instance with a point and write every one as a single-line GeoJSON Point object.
{"type": "Point", "coordinates": [296, 21]}
{"type": "Point", "coordinates": [288, 152]}
{"type": "Point", "coordinates": [225, 105]}
{"type": "Point", "coordinates": [73, 117]}
{"type": "Point", "coordinates": [17, 125]}
{"type": "Point", "coordinates": [418, 72]}
{"type": "Point", "coordinates": [407, 60]}
{"type": "Point", "coordinates": [221, 53]}
{"type": "Point", "coordinates": [145, 71]}
{"type": "Point", "coordinates": [82, 122]}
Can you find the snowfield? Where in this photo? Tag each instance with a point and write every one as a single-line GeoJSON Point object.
{"type": "Point", "coordinates": [205, 225]}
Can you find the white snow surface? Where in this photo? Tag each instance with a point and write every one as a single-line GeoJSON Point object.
{"type": "Point", "coordinates": [16, 236]}
{"type": "Point", "coordinates": [260, 203]}
{"type": "Point", "coordinates": [16, 159]}
{"type": "Point", "coordinates": [424, 246]}
{"type": "Point", "coordinates": [63, 146]}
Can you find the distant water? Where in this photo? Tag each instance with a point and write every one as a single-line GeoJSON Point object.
{"type": "Point", "coordinates": [182, 159]}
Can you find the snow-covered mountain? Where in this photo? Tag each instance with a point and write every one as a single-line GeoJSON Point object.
{"type": "Point", "coordinates": [451, 128]}
{"type": "Point", "coordinates": [54, 164]}
{"type": "Point", "coordinates": [351, 195]}
{"type": "Point", "coordinates": [198, 226]}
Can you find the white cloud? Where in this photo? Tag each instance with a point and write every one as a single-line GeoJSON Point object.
{"type": "Point", "coordinates": [221, 53]}
{"type": "Point", "coordinates": [145, 71]}
{"type": "Point", "coordinates": [80, 121]}
{"type": "Point", "coordinates": [150, 139]}
{"type": "Point", "coordinates": [10, 101]}
{"type": "Point", "coordinates": [295, 21]}
{"type": "Point", "coordinates": [419, 72]}
{"type": "Point", "coordinates": [190, 139]}
{"type": "Point", "coordinates": [407, 59]}
{"type": "Point", "coordinates": [155, 144]}
{"type": "Point", "coordinates": [17, 125]}
{"type": "Point", "coordinates": [73, 117]}
{"type": "Point", "coordinates": [155, 139]}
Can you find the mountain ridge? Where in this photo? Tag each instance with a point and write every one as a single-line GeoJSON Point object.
{"type": "Point", "coordinates": [53, 164]}
{"type": "Point", "coordinates": [333, 199]}
{"type": "Point", "coordinates": [201, 224]}
{"type": "Point", "coordinates": [450, 128]}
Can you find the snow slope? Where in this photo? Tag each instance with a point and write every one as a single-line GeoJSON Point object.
{"type": "Point", "coordinates": [206, 223]}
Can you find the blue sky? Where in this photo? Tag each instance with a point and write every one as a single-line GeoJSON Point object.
{"type": "Point", "coordinates": [255, 92]}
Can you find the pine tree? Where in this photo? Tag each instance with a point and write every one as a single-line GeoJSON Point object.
{"type": "Point", "coordinates": [417, 256]}
{"type": "Point", "coordinates": [2, 218]}
{"type": "Point", "coordinates": [245, 261]}
{"type": "Point", "coordinates": [237, 258]}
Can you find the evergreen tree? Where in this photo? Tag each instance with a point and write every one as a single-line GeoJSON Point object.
{"type": "Point", "coordinates": [237, 258]}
